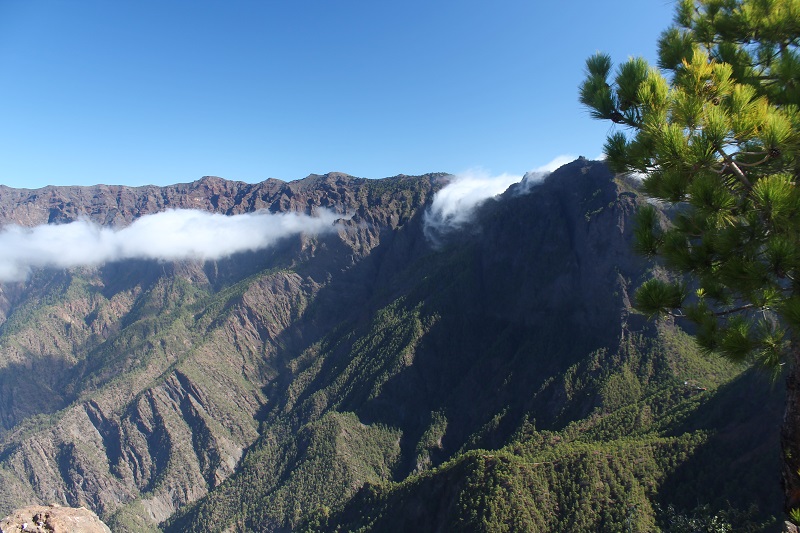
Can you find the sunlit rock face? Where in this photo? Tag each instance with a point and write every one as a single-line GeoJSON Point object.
{"type": "Point", "coordinates": [53, 519]}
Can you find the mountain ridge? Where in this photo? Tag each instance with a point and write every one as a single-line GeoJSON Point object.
{"type": "Point", "coordinates": [119, 205]}
{"type": "Point", "coordinates": [325, 381]}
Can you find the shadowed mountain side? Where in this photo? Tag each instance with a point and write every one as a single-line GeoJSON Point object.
{"type": "Point", "coordinates": [325, 381]}
{"type": "Point", "coordinates": [523, 314]}
{"type": "Point", "coordinates": [567, 481]}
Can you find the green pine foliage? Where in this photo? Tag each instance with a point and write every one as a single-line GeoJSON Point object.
{"type": "Point", "coordinates": [619, 469]}
{"type": "Point", "coordinates": [717, 130]}
{"type": "Point", "coordinates": [714, 130]}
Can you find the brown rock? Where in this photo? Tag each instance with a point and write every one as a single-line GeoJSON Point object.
{"type": "Point", "coordinates": [53, 519]}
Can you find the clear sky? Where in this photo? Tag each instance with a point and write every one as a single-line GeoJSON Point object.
{"type": "Point", "coordinates": [141, 92]}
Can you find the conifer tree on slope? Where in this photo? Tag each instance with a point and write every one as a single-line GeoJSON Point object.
{"type": "Point", "coordinates": [715, 129]}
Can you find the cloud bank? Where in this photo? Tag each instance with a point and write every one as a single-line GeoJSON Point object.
{"type": "Point", "coordinates": [455, 203]}
{"type": "Point", "coordinates": [170, 235]}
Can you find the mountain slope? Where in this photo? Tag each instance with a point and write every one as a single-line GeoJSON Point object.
{"type": "Point", "coordinates": [356, 379]}
{"type": "Point", "coordinates": [144, 379]}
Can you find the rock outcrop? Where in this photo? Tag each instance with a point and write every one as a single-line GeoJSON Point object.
{"type": "Point", "coordinates": [53, 519]}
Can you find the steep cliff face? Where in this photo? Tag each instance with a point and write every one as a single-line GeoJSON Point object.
{"type": "Point", "coordinates": [515, 334]}
{"type": "Point", "coordinates": [144, 380]}
{"type": "Point", "coordinates": [266, 390]}
{"type": "Point", "coordinates": [118, 206]}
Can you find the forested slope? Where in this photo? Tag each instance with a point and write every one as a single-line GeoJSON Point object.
{"type": "Point", "coordinates": [496, 378]}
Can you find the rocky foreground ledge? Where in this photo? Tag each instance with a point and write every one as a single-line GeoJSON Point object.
{"type": "Point", "coordinates": [53, 519]}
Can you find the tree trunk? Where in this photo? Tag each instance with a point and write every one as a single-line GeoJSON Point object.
{"type": "Point", "coordinates": [790, 433]}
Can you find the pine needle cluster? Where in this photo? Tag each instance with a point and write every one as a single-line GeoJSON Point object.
{"type": "Point", "coordinates": [714, 128]}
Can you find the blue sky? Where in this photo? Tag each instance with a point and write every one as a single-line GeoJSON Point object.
{"type": "Point", "coordinates": [159, 92]}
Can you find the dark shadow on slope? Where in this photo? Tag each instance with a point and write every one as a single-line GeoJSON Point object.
{"type": "Point", "coordinates": [537, 284]}
{"type": "Point", "coordinates": [507, 296]}
{"type": "Point", "coordinates": [121, 276]}
{"type": "Point", "coordinates": [225, 272]}
{"type": "Point", "coordinates": [34, 389]}
{"type": "Point", "coordinates": [743, 420]}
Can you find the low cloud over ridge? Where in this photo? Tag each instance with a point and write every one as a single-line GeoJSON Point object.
{"type": "Point", "coordinates": [454, 204]}
{"type": "Point", "coordinates": [170, 235]}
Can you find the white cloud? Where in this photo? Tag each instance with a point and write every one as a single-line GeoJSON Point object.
{"type": "Point", "coordinates": [455, 203]}
{"type": "Point", "coordinates": [170, 235]}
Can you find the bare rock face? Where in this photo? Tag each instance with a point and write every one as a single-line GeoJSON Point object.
{"type": "Point", "coordinates": [53, 519]}
{"type": "Point", "coordinates": [134, 388]}
{"type": "Point", "coordinates": [118, 206]}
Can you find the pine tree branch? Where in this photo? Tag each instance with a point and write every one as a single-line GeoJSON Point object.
{"type": "Point", "coordinates": [734, 310]}
{"type": "Point", "coordinates": [736, 170]}
{"type": "Point", "coordinates": [757, 163]}
{"type": "Point", "coordinates": [761, 152]}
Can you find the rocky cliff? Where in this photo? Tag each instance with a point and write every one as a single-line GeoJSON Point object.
{"type": "Point", "coordinates": [144, 381]}
{"type": "Point", "coordinates": [119, 205]}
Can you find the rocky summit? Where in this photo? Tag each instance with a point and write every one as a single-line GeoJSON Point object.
{"type": "Point", "coordinates": [389, 375]}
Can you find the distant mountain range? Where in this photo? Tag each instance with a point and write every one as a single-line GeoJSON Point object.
{"type": "Point", "coordinates": [387, 375]}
